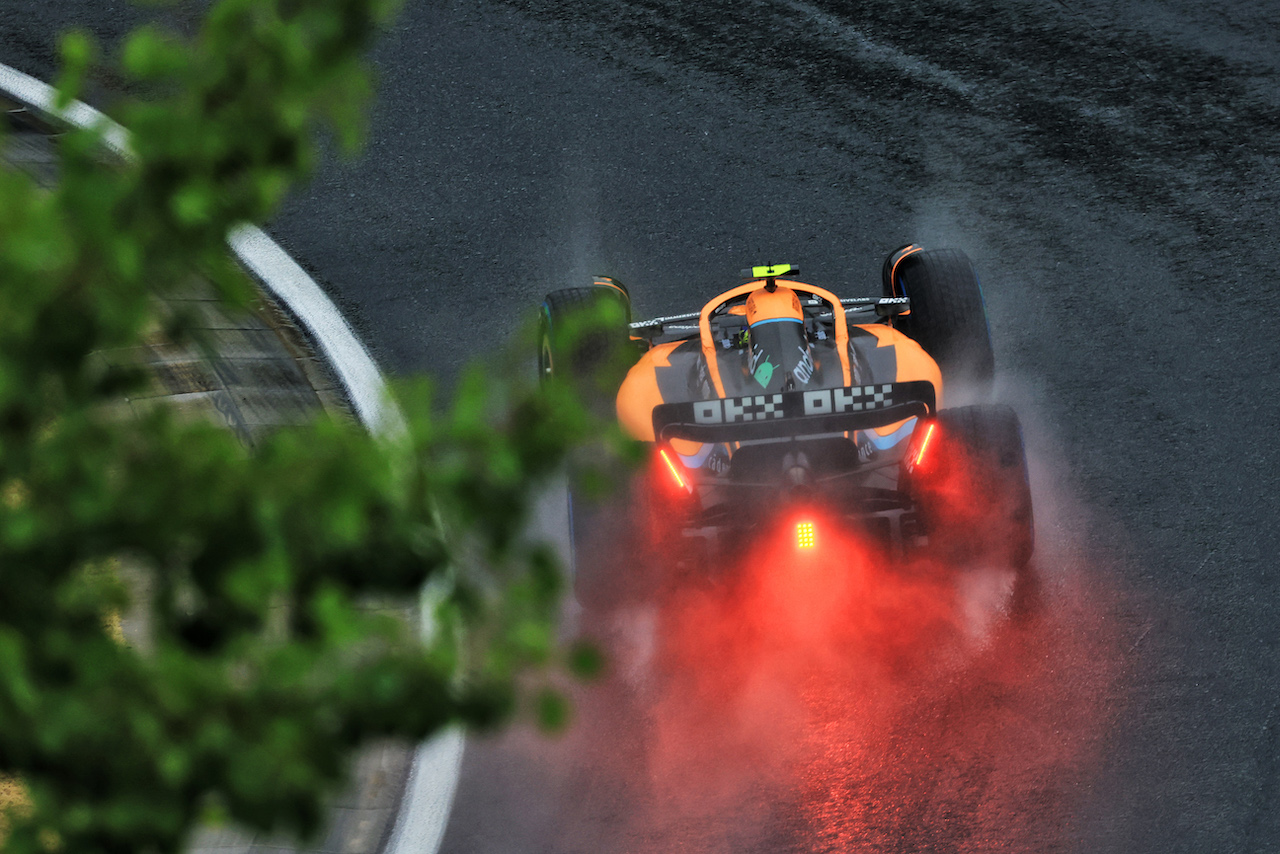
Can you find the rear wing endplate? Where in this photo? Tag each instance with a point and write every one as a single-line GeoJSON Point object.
{"type": "Point", "coordinates": [794, 413]}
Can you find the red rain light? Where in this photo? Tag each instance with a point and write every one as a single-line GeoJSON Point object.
{"type": "Point", "coordinates": [928, 434]}
{"type": "Point", "coordinates": [805, 535]}
{"type": "Point", "coordinates": [675, 472]}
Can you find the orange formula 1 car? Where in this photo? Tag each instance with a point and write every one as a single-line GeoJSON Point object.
{"type": "Point", "coordinates": [779, 395]}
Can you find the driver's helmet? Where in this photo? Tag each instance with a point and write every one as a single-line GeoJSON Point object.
{"type": "Point", "coordinates": [778, 349]}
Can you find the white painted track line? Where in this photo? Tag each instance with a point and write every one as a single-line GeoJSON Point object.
{"type": "Point", "coordinates": [433, 779]}
{"type": "Point", "coordinates": [428, 796]}
{"type": "Point", "coordinates": [40, 95]}
{"type": "Point", "coordinates": [329, 329]}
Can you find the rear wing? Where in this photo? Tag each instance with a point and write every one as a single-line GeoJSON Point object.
{"type": "Point", "coordinates": [794, 413]}
{"type": "Point", "coordinates": [882, 306]}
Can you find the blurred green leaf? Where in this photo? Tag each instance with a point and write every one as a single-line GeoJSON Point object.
{"type": "Point", "coordinates": [552, 711]}
{"type": "Point", "coordinates": [77, 52]}
{"type": "Point", "coordinates": [267, 597]}
{"type": "Point", "coordinates": [586, 661]}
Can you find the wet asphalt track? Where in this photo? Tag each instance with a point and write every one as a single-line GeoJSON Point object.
{"type": "Point", "coordinates": [1111, 168]}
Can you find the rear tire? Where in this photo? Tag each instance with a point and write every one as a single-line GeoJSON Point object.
{"type": "Point", "coordinates": [948, 317]}
{"type": "Point", "coordinates": [971, 489]}
{"type": "Point", "coordinates": [583, 340]}
{"type": "Point", "coordinates": [581, 331]}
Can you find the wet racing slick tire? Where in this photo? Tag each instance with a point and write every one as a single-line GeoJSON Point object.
{"type": "Point", "coordinates": [970, 487]}
{"type": "Point", "coordinates": [584, 340]}
{"type": "Point", "coordinates": [583, 334]}
{"type": "Point", "coordinates": [948, 317]}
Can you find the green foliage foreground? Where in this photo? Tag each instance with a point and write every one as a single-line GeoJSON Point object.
{"type": "Point", "coordinates": [259, 663]}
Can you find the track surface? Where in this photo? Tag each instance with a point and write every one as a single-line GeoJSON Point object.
{"type": "Point", "coordinates": [1112, 170]}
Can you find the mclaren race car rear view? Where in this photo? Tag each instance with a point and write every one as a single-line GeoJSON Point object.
{"type": "Point", "coordinates": [779, 395]}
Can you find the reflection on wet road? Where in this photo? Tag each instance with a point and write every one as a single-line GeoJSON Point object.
{"type": "Point", "coordinates": [822, 700]}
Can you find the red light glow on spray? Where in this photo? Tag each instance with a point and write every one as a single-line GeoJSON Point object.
{"type": "Point", "coordinates": [816, 694]}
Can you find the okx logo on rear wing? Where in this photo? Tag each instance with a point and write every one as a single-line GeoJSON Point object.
{"type": "Point", "coordinates": [794, 413]}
